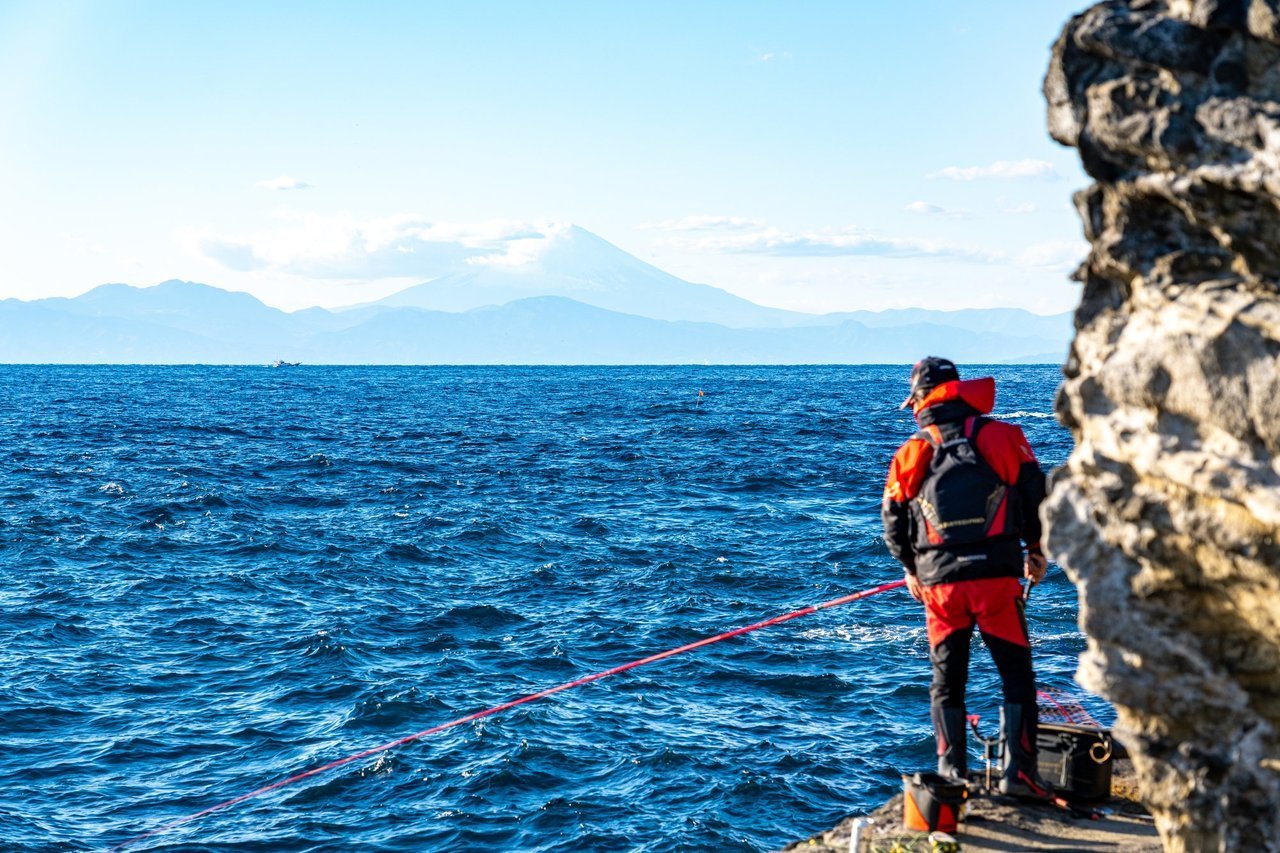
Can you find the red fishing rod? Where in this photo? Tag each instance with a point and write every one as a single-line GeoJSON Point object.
{"type": "Point", "coordinates": [532, 697]}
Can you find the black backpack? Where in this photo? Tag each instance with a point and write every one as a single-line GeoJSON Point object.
{"type": "Point", "coordinates": [962, 500]}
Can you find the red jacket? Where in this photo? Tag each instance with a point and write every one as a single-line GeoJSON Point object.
{"type": "Point", "coordinates": [1004, 448]}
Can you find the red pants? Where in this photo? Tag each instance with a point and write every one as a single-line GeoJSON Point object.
{"type": "Point", "coordinates": [994, 604]}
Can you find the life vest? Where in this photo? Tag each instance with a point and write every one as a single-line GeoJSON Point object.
{"type": "Point", "coordinates": [961, 500]}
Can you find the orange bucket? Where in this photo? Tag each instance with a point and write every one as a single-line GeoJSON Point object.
{"type": "Point", "coordinates": [931, 802]}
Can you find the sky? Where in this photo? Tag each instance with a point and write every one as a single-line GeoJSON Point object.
{"type": "Point", "coordinates": [816, 156]}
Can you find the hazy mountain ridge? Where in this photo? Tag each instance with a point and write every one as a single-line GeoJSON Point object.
{"type": "Point", "coordinates": [577, 300]}
{"type": "Point", "coordinates": [536, 330]}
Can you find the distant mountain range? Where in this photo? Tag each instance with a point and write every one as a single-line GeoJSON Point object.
{"type": "Point", "coordinates": [578, 300]}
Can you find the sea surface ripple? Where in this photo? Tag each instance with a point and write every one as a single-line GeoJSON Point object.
{"type": "Point", "coordinates": [217, 577]}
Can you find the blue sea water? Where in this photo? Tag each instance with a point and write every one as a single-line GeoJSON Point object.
{"type": "Point", "coordinates": [214, 578]}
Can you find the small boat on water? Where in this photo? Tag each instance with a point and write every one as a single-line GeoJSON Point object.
{"type": "Point", "coordinates": [279, 363]}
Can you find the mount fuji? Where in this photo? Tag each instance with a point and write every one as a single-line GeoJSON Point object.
{"type": "Point", "coordinates": [571, 262]}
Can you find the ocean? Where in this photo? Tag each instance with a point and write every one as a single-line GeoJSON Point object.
{"type": "Point", "coordinates": [217, 577]}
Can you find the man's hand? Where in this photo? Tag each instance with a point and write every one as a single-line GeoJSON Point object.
{"type": "Point", "coordinates": [1034, 568]}
{"type": "Point", "coordinates": [913, 587]}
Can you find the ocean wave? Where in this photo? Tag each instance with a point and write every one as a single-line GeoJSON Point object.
{"type": "Point", "coordinates": [1024, 414]}
{"type": "Point", "coordinates": [328, 565]}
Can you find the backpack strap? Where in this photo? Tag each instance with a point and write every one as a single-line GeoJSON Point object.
{"type": "Point", "coordinates": [931, 435]}
{"type": "Point", "coordinates": [972, 425]}
{"type": "Point", "coordinates": [971, 428]}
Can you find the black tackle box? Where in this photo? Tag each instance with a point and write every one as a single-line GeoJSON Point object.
{"type": "Point", "coordinates": [1075, 759]}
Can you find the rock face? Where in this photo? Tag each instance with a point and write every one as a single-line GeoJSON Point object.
{"type": "Point", "coordinates": [1168, 512]}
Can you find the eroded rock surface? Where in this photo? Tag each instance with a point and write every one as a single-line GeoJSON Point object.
{"type": "Point", "coordinates": [1167, 514]}
{"type": "Point", "coordinates": [996, 824]}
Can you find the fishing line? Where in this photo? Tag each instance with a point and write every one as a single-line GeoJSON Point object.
{"type": "Point", "coordinates": [532, 697]}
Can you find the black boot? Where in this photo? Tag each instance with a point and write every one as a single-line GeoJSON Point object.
{"type": "Point", "coordinates": [949, 728]}
{"type": "Point", "coordinates": [1018, 772]}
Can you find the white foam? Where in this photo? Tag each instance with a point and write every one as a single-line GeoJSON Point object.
{"type": "Point", "coordinates": [863, 634]}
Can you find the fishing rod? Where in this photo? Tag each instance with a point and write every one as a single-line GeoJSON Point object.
{"type": "Point", "coordinates": [505, 706]}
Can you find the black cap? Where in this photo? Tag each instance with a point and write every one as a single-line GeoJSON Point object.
{"type": "Point", "coordinates": [928, 373]}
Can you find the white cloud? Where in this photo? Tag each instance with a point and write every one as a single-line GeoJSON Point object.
{"type": "Point", "coordinates": [824, 243]}
{"type": "Point", "coordinates": [1004, 170]}
{"type": "Point", "coordinates": [232, 254]}
{"type": "Point", "coordinates": [343, 247]}
{"type": "Point", "coordinates": [704, 223]}
{"type": "Point", "coordinates": [774, 56]}
{"type": "Point", "coordinates": [928, 208]}
{"type": "Point", "coordinates": [1019, 209]}
{"type": "Point", "coordinates": [1054, 254]}
{"type": "Point", "coordinates": [925, 207]}
{"type": "Point", "coordinates": [282, 183]}
{"type": "Point", "coordinates": [519, 248]}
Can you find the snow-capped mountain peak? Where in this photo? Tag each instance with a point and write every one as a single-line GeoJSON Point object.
{"type": "Point", "coordinates": [569, 261]}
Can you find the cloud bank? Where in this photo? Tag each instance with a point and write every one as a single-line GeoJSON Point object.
{"type": "Point", "coordinates": [928, 208]}
{"type": "Point", "coordinates": [742, 236]}
{"type": "Point", "coordinates": [1001, 170]}
{"type": "Point", "coordinates": [737, 235]}
{"type": "Point", "coordinates": [827, 244]}
{"type": "Point", "coordinates": [1017, 209]}
{"type": "Point", "coordinates": [704, 223]}
{"type": "Point", "coordinates": [341, 246]}
{"type": "Point", "coordinates": [283, 184]}
{"type": "Point", "coordinates": [1056, 254]}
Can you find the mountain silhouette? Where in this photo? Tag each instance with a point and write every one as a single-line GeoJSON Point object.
{"type": "Point", "coordinates": [573, 299]}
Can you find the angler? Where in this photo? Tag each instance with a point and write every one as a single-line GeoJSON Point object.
{"type": "Point", "coordinates": [961, 497]}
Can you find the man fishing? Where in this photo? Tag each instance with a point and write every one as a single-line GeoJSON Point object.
{"type": "Point", "coordinates": [961, 494]}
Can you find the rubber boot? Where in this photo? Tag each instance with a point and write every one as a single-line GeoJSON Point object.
{"type": "Point", "coordinates": [950, 728]}
{"type": "Point", "coordinates": [1019, 776]}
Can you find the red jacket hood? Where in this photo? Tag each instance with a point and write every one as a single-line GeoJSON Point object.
{"type": "Point", "coordinates": [979, 393]}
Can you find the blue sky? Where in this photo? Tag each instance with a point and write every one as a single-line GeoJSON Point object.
{"type": "Point", "coordinates": [815, 156]}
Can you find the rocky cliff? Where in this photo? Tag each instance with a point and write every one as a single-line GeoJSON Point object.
{"type": "Point", "coordinates": [1166, 515]}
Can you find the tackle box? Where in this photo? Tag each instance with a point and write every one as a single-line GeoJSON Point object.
{"type": "Point", "coordinates": [1075, 759]}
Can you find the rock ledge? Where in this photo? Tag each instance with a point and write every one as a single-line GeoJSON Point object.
{"type": "Point", "coordinates": [1002, 825]}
